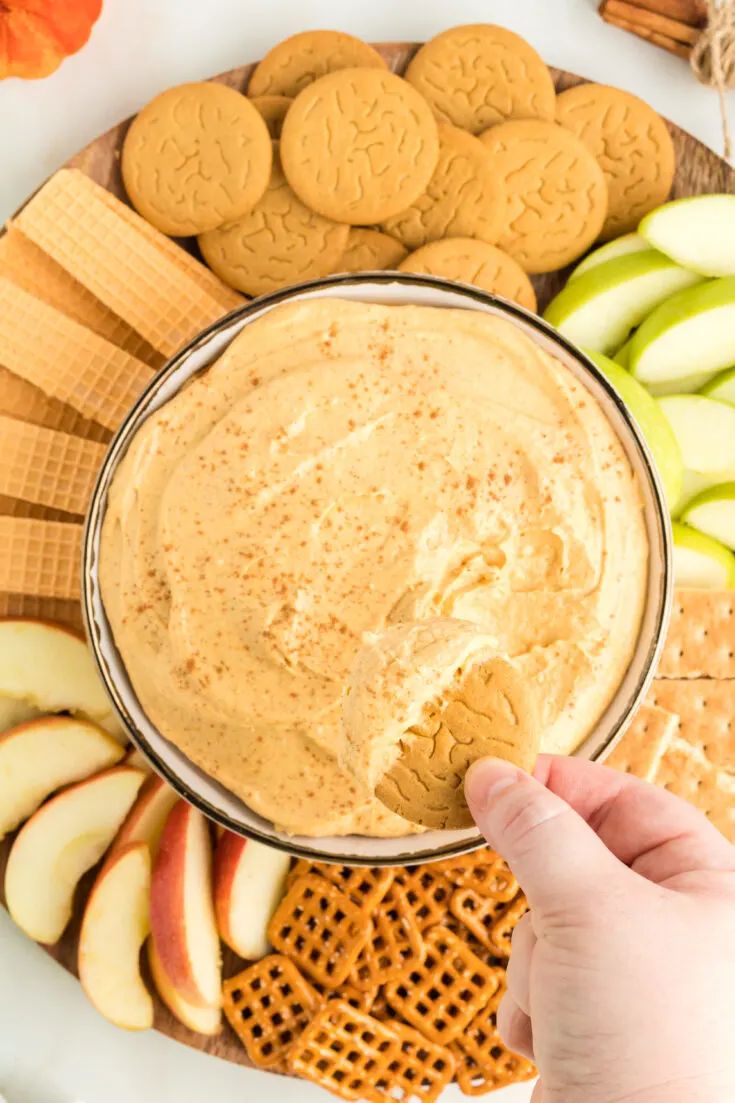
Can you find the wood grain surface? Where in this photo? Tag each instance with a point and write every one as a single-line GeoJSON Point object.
{"type": "Point", "coordinates": [699, 170]}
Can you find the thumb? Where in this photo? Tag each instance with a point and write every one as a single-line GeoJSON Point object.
{"type": "Point", "coordinates": [555, 855]}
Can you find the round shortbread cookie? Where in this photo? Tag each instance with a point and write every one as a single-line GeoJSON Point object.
{"type": "Point", "coordinates": [359, 145]}
{"type": "Point", "coordinates": [632, 145]}
{"type": "Point", "coordinates": [370, 250]}
{"type": "Point", "coordinates": [557, 195]}
{"type": "Point", "coordinates": [490, 712]}
{"type": "Point", "coordinates": [272, 110]}
{"type": "Point", "coordinates": [279, 242]}
{"type": "Point", "coordinates": [464, 197]}
{"type": "Point", "coordinates": [474, 262]}
{"type": "Point", "coordinates": [478, 75]}
{"type": "Point", "coordinates": [303, 58]}
{"type": "Point", "coordinates": [196, 156]}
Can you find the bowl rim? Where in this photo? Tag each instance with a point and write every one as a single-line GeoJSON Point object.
{"type": "Point", "coordinates": [123, 436]}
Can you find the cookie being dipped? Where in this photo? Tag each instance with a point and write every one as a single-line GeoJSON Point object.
{"type": "Point", "coordinates": [427, 699]}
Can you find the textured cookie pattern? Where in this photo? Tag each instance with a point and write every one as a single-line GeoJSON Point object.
{"type": "Point", "coordinates": [557, 195]}
{"type": "Point", "coordinates": [359, 145]}
{"type": "Point", "coordinates": [479, 75]}
{"type": "Point", "coordinates": [272, 110]}
{"type": "Point", "coordinates": [632, 145]}
{"type": "Point", "coordinates": [196, 156]}
{"type": "Point", "coordinates": [279, 242]}
{"type": "Point", "coordinates": [464, 197]}
{"type": "Point", "coordinates": [475, 262]}
{"type": "Point", "coordinates": [303, 58]}
{"type": "Point", "coordinates": [368, 250]}
{"type": "Point", "coordinates": [490, 712]}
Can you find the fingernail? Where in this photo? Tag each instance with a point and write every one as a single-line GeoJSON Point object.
{"type": "Point", "coordinates": [486, 778]}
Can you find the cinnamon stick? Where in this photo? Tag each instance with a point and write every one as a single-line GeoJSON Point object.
{"type": "Point", "coordinates": [692, 12]}
{"type": "Point", "coordinates": [650, 21]}
{"type": "Point", "coordinates": [664, 41]}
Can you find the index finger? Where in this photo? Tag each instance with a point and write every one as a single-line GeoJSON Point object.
{"type": "Point", "coordinates": [654, 832]}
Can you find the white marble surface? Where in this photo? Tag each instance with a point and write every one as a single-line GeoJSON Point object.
{"type": "Point", "coordinates": [53, 1047]}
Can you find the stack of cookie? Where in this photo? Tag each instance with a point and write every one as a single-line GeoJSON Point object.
{"type": "Point", "coordinates": [469, 167]}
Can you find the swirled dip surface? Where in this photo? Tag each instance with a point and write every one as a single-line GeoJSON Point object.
{"type": "Point", "coordinates": [341, 468]}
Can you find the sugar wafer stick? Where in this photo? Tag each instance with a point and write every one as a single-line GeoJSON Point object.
{"type": "Point", "coordinates": [66, 360]}
{"type": "Point", "coordinates": [700, 642]}
{"type": "Point", "coordinates": [65, 610]}
{"type": "Point", "coordinates": [25, 264]}
{"type": "Point", "coordinates": [103, 245]}
{"type": "Point", "coordinates": [46, 467]}
{"type": "Point", "coordinates": [173, 254]}
{"type": "Point", "coordinates": [40, 558]}
{"type": "Point", "coordinates": [16, 507]}
{"type": "Point", "coordinates": [20, 399]}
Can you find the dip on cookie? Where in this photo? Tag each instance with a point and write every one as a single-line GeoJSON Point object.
{"type": "Point", "coordinates": [342, 468]}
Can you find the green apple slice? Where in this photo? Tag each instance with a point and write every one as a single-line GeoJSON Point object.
{"type": "Point", "coordinates": [622, 356]}
{"type": "Point", "coordinates": [697, 232]}
{"type": "Point", "coordinates": [705, 430]}
{"type": "Point", "coordinates": [690, 384]}
{"type": "Point", "coordinates": [713, 513]}
{"type": "Point", "coordinates": [722, 387]}
{"type": "Point", "coordinates": [701, 562]}
{"type": "Point", "coordinates": [598, 310]}
{"type": "Point", "coordinates": [653, 424]}
{"type": "Point", "coordinates": [618, 247]}
{"type": "Point", "coordinates": [693, 484]}
{"type": "Point", "coordinates": [692, 333]}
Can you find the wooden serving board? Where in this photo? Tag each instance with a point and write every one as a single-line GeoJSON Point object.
{"type": "Point", "coordinates": [699, 170]}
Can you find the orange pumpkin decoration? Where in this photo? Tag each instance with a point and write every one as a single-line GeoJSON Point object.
{"type": "Point", "coordinates": [36, 35]}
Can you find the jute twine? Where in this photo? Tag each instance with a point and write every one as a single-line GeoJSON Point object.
{"type": "Point", "coordinates": [713, 58]}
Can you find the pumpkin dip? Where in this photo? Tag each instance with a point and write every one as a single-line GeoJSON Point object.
{"type": "Point", "coordinates": [341, 468]}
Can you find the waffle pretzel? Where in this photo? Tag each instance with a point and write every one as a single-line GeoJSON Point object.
{"type": "Point", "coordinates": [441, 996]}
{"type": "Point", "coordinates": [420, 1071]}
{"type": "Point", "coordinates": [428, 894]}
{"type": "Point", "coordinates": [483, 870]}
{"type": "Point", "coordinates": [268, 1005]}
{"type": "Point", "coordinates": [394, 947]}
{"type": "Point", "coordinates": [366, 886]}
{"type": "Point", "coordinates": [484, 1064]}
{"type": "Point", "coordinates": [503, 927]}
{"type": "Point", "coordinates": [477, 914]}
{"type": "Point", "coordinates": [357, 998]}
{"type": "Point", "coordinates": [346, 1052]}
{"type": "Point", "coordinates": [320, 929]}
{"type": "Point", "coordinates": [498, 1069]}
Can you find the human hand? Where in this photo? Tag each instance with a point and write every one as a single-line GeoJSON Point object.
{"type": "Point", "coordinates": [621, 982]}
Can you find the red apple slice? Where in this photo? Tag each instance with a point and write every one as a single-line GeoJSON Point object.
{"type": "Point", "coordinates": [60, 842]}
{"type": "Point", "coordinates": [138, 759]}
{"type": "Point", "coordinates": [13, 711]}
{"type": "Point", "coordinates": [144, 823]}
{"type": "Point", "coordinates": [182, 910]}
{"type": "Point", "coordinates": [38, 757]}
{"type": "Point", "coordinates": [114, 927]}
{"type": "Point", "coordinates": [248, 884]}
{"type": "Point", "coordinates": [202, 1020]}
{"type": "Point", "coordinates": [49, 667]}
